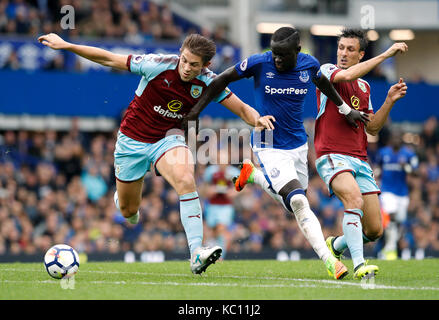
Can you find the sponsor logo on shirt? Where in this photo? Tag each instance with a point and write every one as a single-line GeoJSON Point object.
{"type": "Point", "coordinates": [168, 82]}
{"type": "Point", "coordinates": [175, 105]}
{"type": "Point", "coordinates": [270, 75]}
{"type": "Point", "coordinates": [166, 113]}
{"type": "Point", "coordinates": [291, 90]}
{"type": "Point", "coordinates": [355, 101]}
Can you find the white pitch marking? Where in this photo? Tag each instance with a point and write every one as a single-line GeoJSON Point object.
{"type": "Point", "coordinates": [335, 283]}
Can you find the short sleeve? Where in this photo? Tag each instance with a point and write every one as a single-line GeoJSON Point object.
{"type": "Point", "coordinates": [141, 64]}
{"type": "Point", "coordinates": [223, 95]}
{"type": "Point", "coordinates": [208, 77]}
{"type": "Point", "coordinates": [329, 70]}
{"type": "Point", "coordinates": [315, 68]}
{"type": "Point", "coordinates": [245, 68]}
{"type": "Point", "coordinates": [370, 110]}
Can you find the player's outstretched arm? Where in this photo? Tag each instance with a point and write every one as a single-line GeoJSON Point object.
{"type": "Point", "coordinates": [352, 115]}
{"type": "Point", "coordinates": [361, 69]}
{"type": "Point", "coordinates": [377, 121]}
{"type": "Point", "coordinates": [248, 114]}
{"type": "Point", "coordinates": [98, 55]}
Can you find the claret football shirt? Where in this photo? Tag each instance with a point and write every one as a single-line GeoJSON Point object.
{"type": "Point", "coordinates": [162, 99]}
{"type": "Point", "coordinates": [333, 134]}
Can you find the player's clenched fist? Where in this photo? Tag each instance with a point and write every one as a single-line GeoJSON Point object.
{"type": "Point", "coordinates": [53, 41]}
{"type": "Point", "coordinates": [397, 91]}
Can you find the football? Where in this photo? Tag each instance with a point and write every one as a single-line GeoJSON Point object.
{"type": "Point", "coordinates": [61, 261]}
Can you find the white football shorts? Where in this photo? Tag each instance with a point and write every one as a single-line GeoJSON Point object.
{"type": "Point", "coordinates": [394, 204]}
{"type": "Point", "coordinates": [281, 166]}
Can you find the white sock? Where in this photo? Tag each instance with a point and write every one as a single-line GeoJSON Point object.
{"type": "Point", "coordinates": [311, 229]}
{"type": "Point", "coordinates": [391, 235]}
{"type": "Point", "coordinates": [116, 200]}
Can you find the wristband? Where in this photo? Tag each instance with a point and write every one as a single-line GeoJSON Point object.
{"type": "Point", "coordinates": [344, 109]}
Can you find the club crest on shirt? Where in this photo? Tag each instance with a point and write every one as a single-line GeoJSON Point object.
{"type": "Point", "coordinates": [304, 76]}
{"type": "Point", "coordinates": [362, 86]}
{"type": "Point", "coordinates": [196, 91]}
{"type": "Point", "coordinates": [274, 173]}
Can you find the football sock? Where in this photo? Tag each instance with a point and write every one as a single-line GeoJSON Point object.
{"type": "Point", "coordinates": [353, 233]}
{"type": "Point", "coordinates": [391, 236]}
{"type": "Point", "coordinates": [222, 243]}
{"type": "Point", "coordinates": [340, 244]}
{"type": "Point", "coordinates": [116, 200]}
{"type": "Point", "coordinates": [310, 225]}
{"type": "Point", "coordinates": [192, 219]}
{"type": "Point", "coordinates": [307, 221]}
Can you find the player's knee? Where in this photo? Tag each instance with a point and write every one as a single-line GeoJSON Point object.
{"type": "Point", "coordinates": [293, 196]}
{"type": "Point", "coordinates": [221, 228]}
{"type": "Point", "coordinates": [375, 233]}
{"type": "Point", "coordinates": [354, 201]}
{"type": "Point", "coordinates": [185, 183]}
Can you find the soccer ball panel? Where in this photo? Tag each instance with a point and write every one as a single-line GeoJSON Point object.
{"type": "Point", "coordinates": [66, 257]}
{"type": "Point", "coordinates": [55, 271]}
{"type": "Point", "coordinates": [61, 261]}
{"type": "Point", "coordinates": [50, 255]}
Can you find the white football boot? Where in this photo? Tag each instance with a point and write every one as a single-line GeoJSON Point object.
{"type": "Point", "coordinates": [204, 257]}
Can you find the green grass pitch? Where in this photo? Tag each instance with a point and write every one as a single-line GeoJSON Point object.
{"type": "Point", "coordinates": [225, 280]}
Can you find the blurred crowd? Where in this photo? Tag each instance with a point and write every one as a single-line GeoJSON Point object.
{"type": "Point", "coordinates": [57, 187]}
{"type": "Point", "coordinates": [131, 23]}
{"type": "Point", "coordinates": [134, 21]}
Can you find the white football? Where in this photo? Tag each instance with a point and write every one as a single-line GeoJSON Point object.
{"type": "Point", "coordinates": [61, 261]}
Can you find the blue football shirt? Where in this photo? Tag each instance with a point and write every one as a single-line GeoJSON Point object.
{"type": "Point", "coordinates": [393, 175]}
{"type": "Point", "coordinates": [282, 95]}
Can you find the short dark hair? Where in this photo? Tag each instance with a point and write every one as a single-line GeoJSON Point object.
{"type": "Point", "coordinates": [200, 46]}
{"type": "Point", "coordinates": [284, 33]}
{"type": "Point", "coordinates": [355, 33]}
